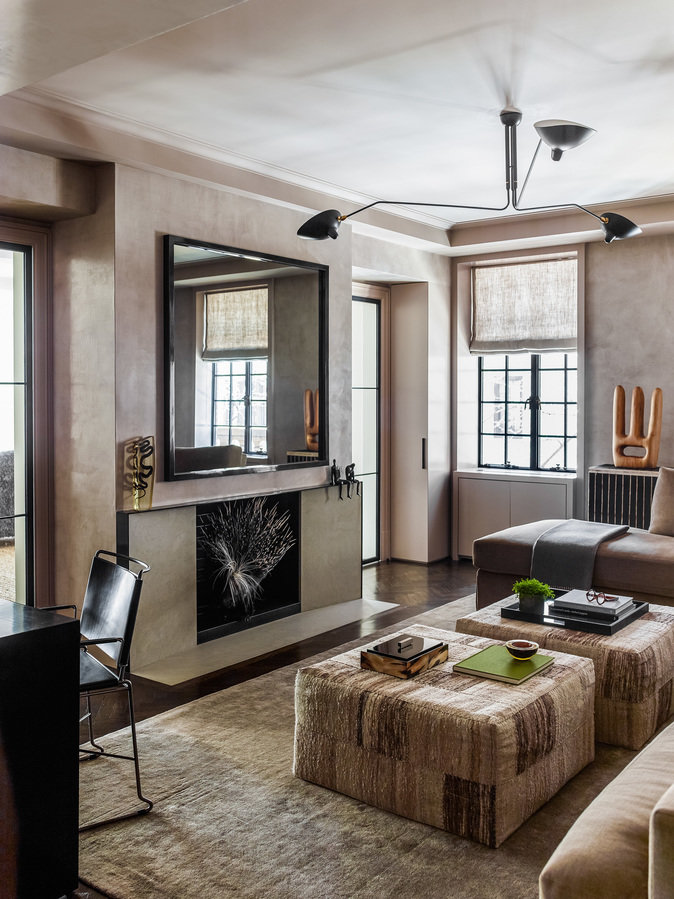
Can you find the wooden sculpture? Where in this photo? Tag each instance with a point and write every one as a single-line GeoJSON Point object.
{"type": "Point", "coordinates": [311, 419]}
{"type": "Point", "coordinates": [650, 442]}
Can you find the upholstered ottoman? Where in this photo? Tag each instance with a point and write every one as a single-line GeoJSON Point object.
{"type": "Point", "coordinates": [473, 756]}
{"type": "Point", "coordinates": [634, 667]}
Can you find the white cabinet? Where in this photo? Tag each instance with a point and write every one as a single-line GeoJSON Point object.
{"type": "Point", "coordinates": [488, 501]}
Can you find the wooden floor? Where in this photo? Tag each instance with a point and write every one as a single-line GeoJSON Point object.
{"type": "Point", "coordinates": [414, 588]}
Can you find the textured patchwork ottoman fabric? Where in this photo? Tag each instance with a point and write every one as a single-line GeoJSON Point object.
{"type": "Point", "coordinates": [473, 756]}
{"type": "Point", "coordinates": [634, 668]}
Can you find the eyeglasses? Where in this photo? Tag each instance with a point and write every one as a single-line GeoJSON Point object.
{"type": "Point", "coordinates": [599, 598]}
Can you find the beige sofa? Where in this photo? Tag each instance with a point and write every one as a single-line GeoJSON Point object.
{"type": "Point", "coordinates": [639, 564]}
{"type": "Point", "coordinates": [622, 845]}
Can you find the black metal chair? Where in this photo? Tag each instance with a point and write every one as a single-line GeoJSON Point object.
{"type": "Point", "coordinates": [107, 620]}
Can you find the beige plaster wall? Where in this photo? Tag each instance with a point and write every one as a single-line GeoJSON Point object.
{"type": "Point", "coordinates": [629, 331]}
{"type": "Point", "coordinates": [84, 390]}
{"type": "Point", "coordinates": [150, 205]}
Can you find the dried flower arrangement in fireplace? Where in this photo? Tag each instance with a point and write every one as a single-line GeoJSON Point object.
{"type": "Point", "coordinates": [245, 539]}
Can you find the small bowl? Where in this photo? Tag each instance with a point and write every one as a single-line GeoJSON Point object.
{"type": "Point", "coordinates": [522, 649]}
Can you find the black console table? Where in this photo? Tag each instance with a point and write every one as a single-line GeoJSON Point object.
{"type": "Point", "coordinates": [39, 710]}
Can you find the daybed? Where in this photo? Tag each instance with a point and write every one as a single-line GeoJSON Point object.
{"type": "Point", "coordinates": [639, 563]}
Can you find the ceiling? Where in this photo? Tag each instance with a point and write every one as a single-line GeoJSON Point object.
{"type": "Point", "coordinates": [370, 99]}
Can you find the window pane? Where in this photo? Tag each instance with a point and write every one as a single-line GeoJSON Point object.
{"type": "Point", "coordinates": [519, 385]}
{"type": "Point", "coordinates": [519, 452]}
{"type": "Point", "coordinates": [552, 360]}
{"type": "Point", "coordinates": [11, 317]}
{"type": "Point", "coordinates": [519, 362]}
{"type": "Point", "coordinates": [238, 413]}
{"type": "Point", "coordinates": [551, 452]}
{"type": "Point", "coordinates": [368, 491]}
{"type": "Point", "coordinates": [572, 453]}
{"type": "Point", "coordinates": [572, 420]}
{"type": "Point", "coordinates": [552, 386]}
{"type": "Point", "coordinates": [493, 418]}
{"type": "Point", "coordinates": [258, 440]}
{"type": "Point", "coordinates": [238, 387]}
{"type": "Point", "coordinates": [223, 368]}
{"type": "Point", "coordinates": [221, 411]}
{"type": "Point", "coordinates": [519, 418]}
{"type": "Point", "coordinates": [364, 346]}
{"type": "Point", "coordinates": [498, 360]}
{"type": "Point", "coordinates": [13, 561]}
{"type": "Point", "coordinates": [223, 386]}
{"type": "Point", "coordinates": [258, 414]}
{"type": "Point", "coordinates": [239, 367]}
{"type": "Point", "coordinates": [493, 450]}
{"type": "Point", "coordinates": [572, 386]}
{"type": "Point", "coordinates": [258, 366]}
{"type": "Point", "coordinates": [493, 386]}
{"type": "Point", "coordinates": [364, 413]}
{"type": "Point", "coordinates": [238, 436]}
{"type": "Point", "coordinates": [221, 437]}
{"type": "Point", "coordinates": [551, 419]}
{"type": "Point", "coordinates": [259, 387]}
{"type": "Point", "coordinates": [12, 480]}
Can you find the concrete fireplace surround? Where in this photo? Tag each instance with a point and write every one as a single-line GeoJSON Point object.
{"type": "Point", "coordinates": [330, 569]}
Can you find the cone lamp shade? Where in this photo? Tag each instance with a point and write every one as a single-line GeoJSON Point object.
{"type": "Point", "coordinates": [617, 227]}
{"type": "Point", "coordinates": [560, 135]}
{"type": "Point", "coordinates": [321, 226]}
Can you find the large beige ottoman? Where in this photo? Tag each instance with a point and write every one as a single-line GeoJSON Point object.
{"type": "Point", "coordinates": [472, 756]}
{"type": "Point", "coordinates": [634, 668]}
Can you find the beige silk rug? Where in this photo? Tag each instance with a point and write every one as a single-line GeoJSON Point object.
{"type": "Point", "coordinates": [230, 820]}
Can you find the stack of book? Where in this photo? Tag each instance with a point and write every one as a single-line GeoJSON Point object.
{"type": "Point", "coordinates": [575, 604]}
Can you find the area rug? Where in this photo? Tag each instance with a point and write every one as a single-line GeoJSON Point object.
{"type": "Point", "coordinates": [230, 820]}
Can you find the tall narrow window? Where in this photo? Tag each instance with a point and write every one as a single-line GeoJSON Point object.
{"type": "Point", "coordinates": [16, 498]}
{"type": "Point", "coordinates": [523, 328]}
{"type": "Point", "coordinates": [366, 395]}
{"type": "Point", "coordinates": [240, 405]}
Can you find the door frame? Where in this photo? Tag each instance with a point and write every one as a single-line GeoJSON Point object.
{"type": "Point", "coordinates": [382, 293]}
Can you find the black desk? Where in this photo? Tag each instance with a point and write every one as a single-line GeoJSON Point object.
{"type": "Point", "coordinates": [39, 711]}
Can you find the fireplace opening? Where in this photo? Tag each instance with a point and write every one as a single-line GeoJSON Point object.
{"type": "Point", "coordinates": [247, 563]}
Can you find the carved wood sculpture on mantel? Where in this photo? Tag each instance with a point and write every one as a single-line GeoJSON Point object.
{"type": "Point", "coordinates": [636, 438]}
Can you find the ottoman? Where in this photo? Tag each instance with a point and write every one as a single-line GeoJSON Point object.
{"type": "Point", "coordinates": [634, 667]}
{"type": "Point", "coordinates": [473, 756]}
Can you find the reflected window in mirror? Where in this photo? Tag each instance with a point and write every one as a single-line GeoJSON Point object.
{"type": "Point", "coordinates": [246, 343]}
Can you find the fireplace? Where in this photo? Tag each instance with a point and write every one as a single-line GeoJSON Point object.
{"type": "Point", "coordinates": [236, 541]}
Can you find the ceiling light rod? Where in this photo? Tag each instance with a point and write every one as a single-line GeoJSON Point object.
{"type": "Point", "coordinates": [557, 134]}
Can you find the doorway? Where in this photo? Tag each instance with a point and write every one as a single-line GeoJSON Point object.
{"type": "Point", "coordinates": [370, 414]}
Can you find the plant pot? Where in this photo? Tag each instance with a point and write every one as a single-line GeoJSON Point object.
{"type": "Point", "coordinates": [532, 602]}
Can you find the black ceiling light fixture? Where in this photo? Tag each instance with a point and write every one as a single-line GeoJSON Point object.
{"type": "Point", "coordinates": [557, 134]}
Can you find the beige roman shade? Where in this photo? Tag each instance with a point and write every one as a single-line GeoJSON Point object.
{"type": "Point", "coordinates": [524, 307]}
{"type": "Point", "coordinates": [236, 324]}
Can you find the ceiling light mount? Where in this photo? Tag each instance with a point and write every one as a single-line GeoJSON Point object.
{"type": "Point", "coordinates": [557, 134]}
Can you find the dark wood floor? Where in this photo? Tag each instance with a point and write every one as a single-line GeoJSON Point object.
{"type": "Point", "coordinates": [414, 588]}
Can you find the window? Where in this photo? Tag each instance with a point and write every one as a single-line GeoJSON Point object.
{"type": "Point", "coordinates": [239, 413]}
{"type": "Point", "coordinates": [528, 411]}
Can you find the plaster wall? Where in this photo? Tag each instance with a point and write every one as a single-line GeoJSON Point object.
{"type": "Point", "coordinates": [84, 390]}
{"type": "Point", "coordinates": [628, 336]}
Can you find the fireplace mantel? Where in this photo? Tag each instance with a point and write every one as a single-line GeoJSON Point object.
{"type": "Point", "coordinates": [329, 565]}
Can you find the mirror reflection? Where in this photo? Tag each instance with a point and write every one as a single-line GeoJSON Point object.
{"type": "Point", "coordinates": [245, 351]}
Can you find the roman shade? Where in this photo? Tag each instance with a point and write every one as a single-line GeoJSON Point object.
{"type": "Point", "coordinates": [524, 307]}
{"type": "Point", "coordinates": [236, 324]}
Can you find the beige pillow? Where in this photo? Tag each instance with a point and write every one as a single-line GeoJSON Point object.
{"type": "Point", "coordinates": [662, 508]}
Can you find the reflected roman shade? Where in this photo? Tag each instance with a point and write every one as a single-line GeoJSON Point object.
{"type": "Point", "coordinates": [524, 307]}
{"type": "Point", "coordinates": [236, 324]}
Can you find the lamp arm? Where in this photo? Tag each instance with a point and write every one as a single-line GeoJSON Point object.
{"type": "Point", "coordinates": [557, 206]}
{"type": "Point", "coordinates": [415, 203]}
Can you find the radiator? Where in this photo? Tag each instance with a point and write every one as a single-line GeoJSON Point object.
{"type": "Point", "coordinates": [621, 495]}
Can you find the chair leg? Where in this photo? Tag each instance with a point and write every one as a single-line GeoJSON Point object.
{"type": "Point", "coordinates": [90, 724]}
{"type": "Point", "coordinates": [132, 721]}
{"type": "Point", "coordinates": [148, 804]}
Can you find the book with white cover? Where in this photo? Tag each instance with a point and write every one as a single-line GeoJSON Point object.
{"type": "Point", "coordinates": [577, 602]}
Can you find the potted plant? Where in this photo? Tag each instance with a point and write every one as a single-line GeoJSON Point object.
{"type": "Point", "coordinates": [532, 594]}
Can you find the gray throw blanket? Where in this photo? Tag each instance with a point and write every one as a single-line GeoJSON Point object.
{"type": "Point", "coordinates": [563, 556]}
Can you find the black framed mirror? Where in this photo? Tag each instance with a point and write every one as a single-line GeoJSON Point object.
{"type": "Point", "coordinates": [245, 360]}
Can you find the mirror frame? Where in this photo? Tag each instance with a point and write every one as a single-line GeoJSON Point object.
{"type": "Point", "coordinates": [169, 309]}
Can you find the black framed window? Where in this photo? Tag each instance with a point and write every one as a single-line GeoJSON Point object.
{"type": "Point", "coordinates": [528, 411]}
{"type": "Point", "coordinates": [240, 395]}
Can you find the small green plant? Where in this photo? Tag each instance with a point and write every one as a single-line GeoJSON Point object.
{"type": "Point", "coordinates": [532, 587]}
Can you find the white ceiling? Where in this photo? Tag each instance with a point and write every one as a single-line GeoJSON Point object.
{"type": "Point", "coordinates": [372, 99]}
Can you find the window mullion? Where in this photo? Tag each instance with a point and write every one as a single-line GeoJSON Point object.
{"type": "Point", "coordinates": [534, 411]}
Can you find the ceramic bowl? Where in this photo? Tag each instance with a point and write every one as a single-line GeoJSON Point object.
{"type": "Point", "coordinates": [522, 649]}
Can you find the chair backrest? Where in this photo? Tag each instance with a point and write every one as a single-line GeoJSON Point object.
{"type": "Point", "coordinates": [111, 604]}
